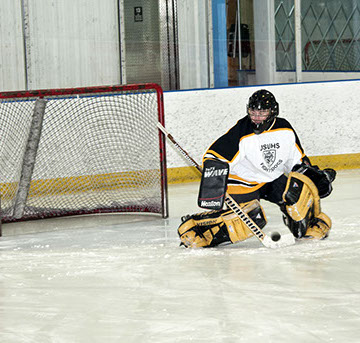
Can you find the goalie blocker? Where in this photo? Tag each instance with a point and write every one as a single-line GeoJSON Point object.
{"type": "Point", "coordinates": [213, 184]}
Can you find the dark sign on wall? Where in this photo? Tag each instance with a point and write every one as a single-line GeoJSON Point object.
{"type": "Point", "coordinates": [138, 14]}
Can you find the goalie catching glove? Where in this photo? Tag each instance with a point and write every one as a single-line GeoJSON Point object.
{"type": "Point", "coordinates": [303, 216]}
{"type": "Point", "coordinates": [209, 229]}
{"type": "Point", "coordinates": [321, 178]}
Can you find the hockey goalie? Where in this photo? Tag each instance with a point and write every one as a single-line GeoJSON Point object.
{"type": "Point", "coordinates": [260, 158]}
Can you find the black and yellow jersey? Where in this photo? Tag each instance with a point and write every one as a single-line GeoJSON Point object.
{"type": "Point", "coordinates": [257, 159]}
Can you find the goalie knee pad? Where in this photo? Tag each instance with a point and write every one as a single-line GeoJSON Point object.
{"type": "Point", "coordinates": [209, 229]}
{"type": "Point", "coordinates": [302, 208]}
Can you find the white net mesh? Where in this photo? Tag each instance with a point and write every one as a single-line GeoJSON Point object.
{"type": "Point", "coordinates": [98, 152]}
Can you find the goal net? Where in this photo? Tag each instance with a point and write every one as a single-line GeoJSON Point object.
{"type": "Point", "coordinates": [332, 55]}
{"type": "Point", "coordinates": [82, 151]}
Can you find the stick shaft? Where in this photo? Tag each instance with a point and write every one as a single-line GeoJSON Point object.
{"type": "Point", "coordinates": [183, 151]}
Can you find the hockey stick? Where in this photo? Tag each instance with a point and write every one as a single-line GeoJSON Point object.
{"type": "Point", "coordinates": [266, 240]}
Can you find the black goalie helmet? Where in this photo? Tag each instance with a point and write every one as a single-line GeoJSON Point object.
{"type": "Point", "coordinates": [262, 110]}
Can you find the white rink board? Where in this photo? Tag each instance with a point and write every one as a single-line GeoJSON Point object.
{"type": "Point", "coordinates": [324, 116]}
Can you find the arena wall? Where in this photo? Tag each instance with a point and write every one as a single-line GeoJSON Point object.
{"type": "Point", "coordinates": [324, 115]}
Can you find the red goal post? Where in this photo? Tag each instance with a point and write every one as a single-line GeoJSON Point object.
{"type": "Point", "coordinates": [82, 151]}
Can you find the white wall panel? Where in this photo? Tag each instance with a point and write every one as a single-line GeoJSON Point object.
{"type": "Point", "coordinates": [12, 66]}
{"type": "Point", "coordinates": [323, 114]}
{"type": "Point", "coordinates": [72, 43]}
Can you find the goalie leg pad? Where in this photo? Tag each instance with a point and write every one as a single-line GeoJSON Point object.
{"type": "Point", "coordinates": [302, 203]}
{"type": "Point", "coordinates": [238, 230]}
{"type": "Point", "coordinates": [209, 229]}
{"type": "Point", "coordinates": [204, 229]}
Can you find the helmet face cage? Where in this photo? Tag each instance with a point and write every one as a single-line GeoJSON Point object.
{"type": "Point", "coordinates": [263, 100]}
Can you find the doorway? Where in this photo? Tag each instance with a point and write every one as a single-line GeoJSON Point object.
{"type": "Point", "coordinates": [240, 38]}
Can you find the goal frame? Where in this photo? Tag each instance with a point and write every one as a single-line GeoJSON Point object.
{"type": "Point", "coordinates": [43, 93]}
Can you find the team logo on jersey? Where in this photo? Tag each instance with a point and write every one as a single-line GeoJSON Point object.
{"type": "Point", "coordinates": [269, 157]}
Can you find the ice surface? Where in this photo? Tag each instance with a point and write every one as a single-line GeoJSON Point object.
{"type": "Point", "coordinates": [116, 278]}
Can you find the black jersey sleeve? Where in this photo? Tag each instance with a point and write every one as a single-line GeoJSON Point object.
{"type": "Point", "coordinates": [227, 146]}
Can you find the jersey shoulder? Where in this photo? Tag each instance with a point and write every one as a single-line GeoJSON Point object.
{"type": "Point", "coordinates": [282, 123]}
{"type": "Point", "coordinates": [227, 146]}
{"type": "Point", "coordinates": [243, 127]}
